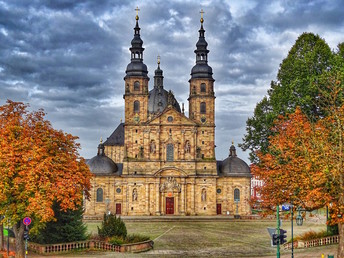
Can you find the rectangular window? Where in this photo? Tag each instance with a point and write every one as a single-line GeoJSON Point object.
{"type": "Point", "coordinates": [169, 152]}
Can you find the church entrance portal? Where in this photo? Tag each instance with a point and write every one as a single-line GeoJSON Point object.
{"type": "Point", "coordinates": [169, 205]}
{"type": "Point", "coordinates": [218, 209]}
{"type": "Point", "coordinates": [118, 208]}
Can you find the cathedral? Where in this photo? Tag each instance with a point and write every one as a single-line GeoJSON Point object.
{"type": "Point", "coordinates": [160, 161]}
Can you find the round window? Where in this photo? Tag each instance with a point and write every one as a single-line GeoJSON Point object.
{"type": "Point", "coordinates": [203, 119]}
{"type": "Point", "coordinates": [170, 119]}
{"type": "Point", "coordinates": [218, 190]}
{"type": "Point", "coordinates": [118, 190]}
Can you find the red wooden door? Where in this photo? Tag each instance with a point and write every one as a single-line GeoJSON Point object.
{"type": "Point", "coordinates": [218, 208]}
{"type": "Point", "coordinates": [118, 208]}
{"type": "Point", "coordinates": [169, 205]}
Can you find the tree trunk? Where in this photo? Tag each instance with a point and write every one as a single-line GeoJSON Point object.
{"type": "Point", "coordinates": [2, 242]}
{"type": "Point", "coordinates": [341, 240]}
{"type": "Point", "coordinates": [18, 229]}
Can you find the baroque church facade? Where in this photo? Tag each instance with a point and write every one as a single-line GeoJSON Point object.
{"type": "Point", "coordinates": [161, 162]}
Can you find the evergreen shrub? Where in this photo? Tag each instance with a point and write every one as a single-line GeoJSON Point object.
{"type": "Point", "coordinates": [112, 226]}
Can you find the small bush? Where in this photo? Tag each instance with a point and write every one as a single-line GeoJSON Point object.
{"type": "Point", "coordinates": [134, 238]}
{"type": "Point", "coordinates": [116, 240]}
{"type": "Point", "coordinates": [112, 226]}
{"type": "Point", "coordinates": [310, 235]}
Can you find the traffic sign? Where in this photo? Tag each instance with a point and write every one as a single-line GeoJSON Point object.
{"type": "Point", "coordinates": [271, 231]}
{"type": "Point", "coordinates": [27, 221]}
{"type": "Point", "coordinates": [285, 207]}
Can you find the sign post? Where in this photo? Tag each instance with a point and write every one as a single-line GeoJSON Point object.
{"type": "Point", "coordinates": [278, 231]}
{"type": "Point", "coordinates": [26, 222]}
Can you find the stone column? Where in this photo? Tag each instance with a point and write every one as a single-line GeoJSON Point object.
{"type": "Point", "coordinates": [149, 145]}
{"type": "Point", "coordinates": [183, 145]}
{"type": "Point", "coordinates": [158, 145]}
{"type": "Point", "coordinates": [177, 204]}
{"type": "Point", "coordinates": [147, 198]}
{"type": "Point", "coordinates": [195, 143]}
{"type": "Point", "coordinates": [163, 204]}
{"type": "Point", "coordinates": [126, 199]}
{"type": "Point", "coordinates": [183, 197]}
{"type": "Point", "coordinates": [157, 197]}
{"type": "Point", "coordinates": [193, 211]}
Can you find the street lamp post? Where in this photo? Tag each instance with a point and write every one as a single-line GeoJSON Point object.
{"type": "Point", "coordinates": [292, 230]}
{"type": "Point", "coordinates": [299, 222]}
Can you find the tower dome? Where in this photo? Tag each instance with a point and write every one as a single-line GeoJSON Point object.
{"type": "Point", "coordinates": [102, 165]}
{"type": "Point", "coordinates": [234, 166]}
{"type": "Point", "coordinates": [159, 98]}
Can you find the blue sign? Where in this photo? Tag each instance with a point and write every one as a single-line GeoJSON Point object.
{"type": "Point", "coordinates": [285, 207]}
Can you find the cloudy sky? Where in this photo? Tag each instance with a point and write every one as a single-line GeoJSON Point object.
{"type": "Point", "coordinates": [69, 57]}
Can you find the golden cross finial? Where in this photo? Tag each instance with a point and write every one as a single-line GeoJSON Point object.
{"type": "Point", "coordinates": [232, 142]}
{"type": "Point", "coordinates": [202, 12]}
{"type": "Point", "coordinates": [158, 59]}
{"type": "Point", "coordinates": [101, 140]}
{"type": "Point", "coordinates": [137, 12]}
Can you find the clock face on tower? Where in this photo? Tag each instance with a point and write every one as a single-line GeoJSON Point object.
{"type": "Point", "coordinates": [203, 119]}
{"type": "Point", "coordinates": [136, 118]}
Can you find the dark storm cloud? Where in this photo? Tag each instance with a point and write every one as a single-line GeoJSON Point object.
{"type": "Point", "coordinates": [69, 57]}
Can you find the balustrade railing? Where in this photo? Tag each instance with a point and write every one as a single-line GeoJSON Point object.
{"type": "Point", "coordinates": [315, 242]}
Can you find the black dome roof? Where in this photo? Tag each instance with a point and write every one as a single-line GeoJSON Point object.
{"type": "Point", "coordinates": [202, 71]}
{"type": "Point", "coordinates": [234, 166]}
{"type": "Point", "coordinates": [136, 69]}
{"type": "Point", "coordinates": [158, 100]}
{"type": "Point", "coordinates": [102, 165]}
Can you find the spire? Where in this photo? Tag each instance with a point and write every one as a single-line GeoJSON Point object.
{"type": "Point", "coordinates": [201, 51]}
{"type": "Point", "coordinates": [158, 77]}
{"type": "Point", "coordinates": [136, 67]}
{"type": "Point", "coordinates": [201, 69]}
{"type": "Point", "coordinates": [101, 148]}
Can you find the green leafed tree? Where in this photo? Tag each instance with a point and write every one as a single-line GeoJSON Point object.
{"type": "Point", "coordinates": [68, 227]}
{"type": "Point", "coordinates": [297, 84]}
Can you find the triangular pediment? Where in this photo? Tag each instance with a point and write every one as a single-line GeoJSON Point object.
{"type": "Point", "coordinates": [171, 116]}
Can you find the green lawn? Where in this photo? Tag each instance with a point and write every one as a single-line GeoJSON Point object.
{"type": "Point", "coordinates": [233, 238]}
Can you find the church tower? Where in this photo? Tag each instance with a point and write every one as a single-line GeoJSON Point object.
{"type": "Point", "coordinates": [202, 98]}
{"type": "Point", "coordinates": [136, 82]}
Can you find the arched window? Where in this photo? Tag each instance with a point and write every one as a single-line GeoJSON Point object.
{"type": "Point", "coordinates": [169, 152]}
{"type": "Point", "coordinates": [136, 106]}
{"type": "Point", "coordinates": [99, 195]}
{"type": "Point", "coordinates": [236, 195]}
{"type": "Point", "coordinates": [136, 85]}
{"type": "Point", "coordinates": [198, 57]}
{"type": "Point", "coordinates": [203, 87]}
{"type": "Point", "coordinates": [203, 108]}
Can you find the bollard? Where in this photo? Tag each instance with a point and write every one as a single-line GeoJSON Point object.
{"type": "Point", "coordinates": [322, 256]}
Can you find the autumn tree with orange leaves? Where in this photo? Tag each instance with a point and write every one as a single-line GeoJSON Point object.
{"type": "Point", "coordinates": [38, 166]}
{"type": "Point", "coordinates": [305, 162]}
